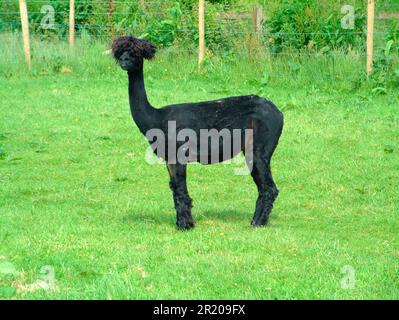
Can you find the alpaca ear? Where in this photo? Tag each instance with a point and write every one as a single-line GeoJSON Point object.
{"type": "Point", "coordinates": [148, 49]}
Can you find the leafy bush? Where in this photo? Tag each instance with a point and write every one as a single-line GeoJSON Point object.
{"type": "Point", "coordinates": [303, 25]}
{"type": "Point", "coordinates": [386, 61]}
{"type": "Point", "coordinates": [167, 30]}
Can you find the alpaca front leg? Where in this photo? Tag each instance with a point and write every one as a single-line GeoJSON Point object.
{"type": "Point", "coordinates": [182, 200]}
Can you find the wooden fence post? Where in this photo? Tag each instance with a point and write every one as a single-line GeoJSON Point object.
{"type": "Point", "coordinates": [25, 30]}
{"type": "Point", "coordinates": [257, 21]}
{"type": "Point", "coordinates": [201, 31]}
{"type": "Point", "coordinates": [370, 34]}
{"type": "Point", "coordinates": [71, 22]}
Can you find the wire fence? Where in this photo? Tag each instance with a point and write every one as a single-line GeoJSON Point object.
{"type": "Point", "coordinates": [122, 18]}
{"type": "Point", "coordinates": [228, 26]}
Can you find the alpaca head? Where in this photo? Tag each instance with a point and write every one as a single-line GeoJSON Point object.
{"type": "Point", "coordinates": [129, 52]}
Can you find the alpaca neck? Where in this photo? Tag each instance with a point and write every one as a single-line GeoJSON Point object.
{"type": "Point", "coordinates": [142, 112]}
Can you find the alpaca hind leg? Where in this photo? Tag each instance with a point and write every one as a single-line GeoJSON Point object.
{"type": "Point", "coordinates": [182, 200]}
{"type": "Point", "coordinates": [262, 146]}
{"type": "Point", "coordinates": [266, 188]}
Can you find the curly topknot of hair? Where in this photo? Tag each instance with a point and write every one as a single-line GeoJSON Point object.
{"type": "Point", "coordinates": [136, 47]}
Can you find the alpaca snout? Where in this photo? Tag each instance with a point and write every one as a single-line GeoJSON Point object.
{"type": "Point", "coordinates": [125, 66]}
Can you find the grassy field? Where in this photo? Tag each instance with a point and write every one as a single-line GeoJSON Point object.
{"type": "Point", "coordinates": [77, 195]}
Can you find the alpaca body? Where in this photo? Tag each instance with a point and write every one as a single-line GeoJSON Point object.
{"type": "Point", "coordinates": [235, 113]}
{"type": "Point", "coordinates": [241, 114]}
{"type": "Point", "coordinates": [227, 113]}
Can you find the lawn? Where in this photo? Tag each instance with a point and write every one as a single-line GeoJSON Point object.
{"type": "Point", "coordinates": [77, 195]}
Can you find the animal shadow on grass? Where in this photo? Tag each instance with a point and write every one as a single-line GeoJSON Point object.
{"type": "Point", "coordinates": [149, 218]}
{"type": "Point", "coordinates": [227, 215]}
{"type": "Point", "coordinates": [201, 216]}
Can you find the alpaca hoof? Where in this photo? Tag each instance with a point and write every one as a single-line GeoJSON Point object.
{"type": "Point", "coordinates": [185, 224]}
{"type": "Point", "coordinates": [260, 222]}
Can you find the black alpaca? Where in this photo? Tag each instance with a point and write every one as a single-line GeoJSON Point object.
{"type": "Point", "coordinates": [244, 112]}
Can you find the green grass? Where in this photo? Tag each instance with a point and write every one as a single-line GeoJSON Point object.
{"type": "Point", "coordinates": [77, 194]}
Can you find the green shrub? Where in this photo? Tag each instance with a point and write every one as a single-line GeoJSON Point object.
{"type": "Point", "coordinates": [386, 67]}
{"type": "Point", "coordinates": [304, 25]}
